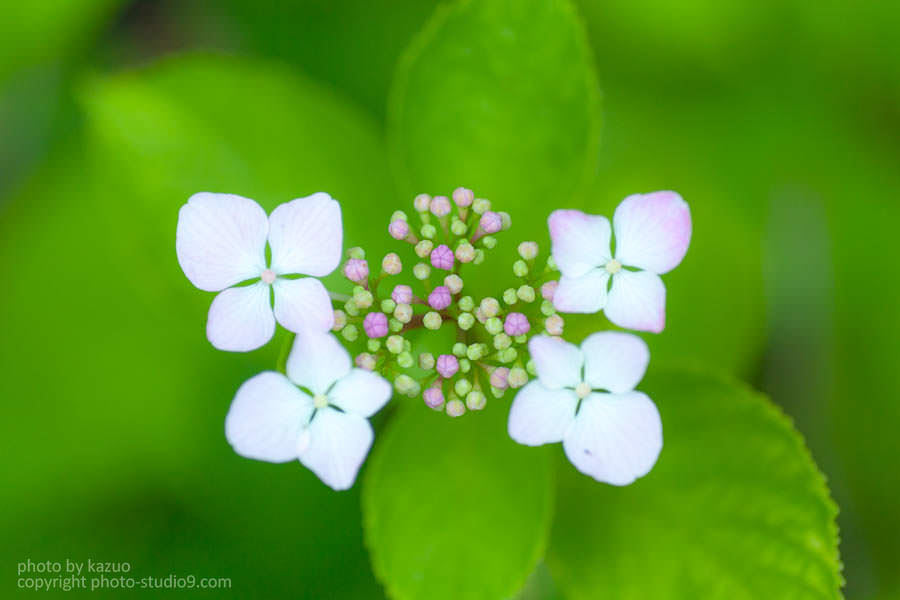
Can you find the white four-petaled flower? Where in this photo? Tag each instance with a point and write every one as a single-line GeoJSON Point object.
{"type": "Point", "coordinates": [585, 398]}
{"type": "Point", "coordinates": [323, 423]}
{"type": "Point", "coordinates": [652, 235]}
{"type": "Point", "coordinates": [221, 242]}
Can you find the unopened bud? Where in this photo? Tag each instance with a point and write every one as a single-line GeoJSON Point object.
{"type": "Point", "coordinates": [475, 400]}
{"type": "Point", "coordinates": [554, 325]}
{"type": "Point", "coordinates": [404, 384]}
{"type": "Point", "coordinates": [526, 293]}
{"type": "Point", "coordinates": [434, 397]}
{"type": "Point", "coordinates": [351, 307]}
{"type": "Point", "coordinates": [391, 264]}
{"type": "Point", "coordinates": [520, 269]}
{"type": "Point", "coordinates": [502, 341]}
{"type": "Point", "coordinates": [476, 351]}
{"type": "Point", "coordinates": [398, 229]}
{"type": "Point", "coordinates": [363, 298]}
{"type": "Point", "coordinates": [373, 345]}
{"type": "Point", "coordinates": [499, 377]}
{"type": "Point", "coordinates": [465, 321]}
{"type": "Point", "coordinates": [447, 365]}
{"type": "Point", "coordinates": [454, 283]}
{"type": "Point", "coordinates": [350, 333]}
{"type": "Point", "coordinates": [440, 206]}
{"type": "Point", "coordinates": [421, 271]}
{"type": "Point", "coordinates": [493, 325]}
{"type": "Point", "coordinates": [395, 326]}
{"type": "Point", "coordinates": [479, 257]}
{"type": "Point", "coordinates": [422, 203]}
{"type": "Point", "coordinates": [508, 355]}
{"type": "Point", "coordinates": [403, 313]}
{"type": "Point", "coordinates": [465, 252]}
{"type": "Point", "coordinates": [459, 349]}
{"type": "Point", "coordinates": [490, 307]}
{"type": "Point", "coordinates": [394, 344]}
{"type": "Point", "coordinates": [356, 270]}
{"type": "Point", "coordinates": [365, 361]}
{"type": "Point", "coordinates": [340, 319]}
{"type": "Point", "coordinates": [432, 320]}
{"type": "Point", "coordinates": [466, 303]}
{"type": "Point", "coordinates": [388, 305]}
{"type": "Point", "coordinates": [428, 231]}
{"type": "Point", "coordinates": [402, 294]}
{"type": "Point", "coordinates": [481, 206]}
{"type": "Point", "coordinates": [510, 297]}
{"type": "Point", "coordinates": [517, 377]}
{"type": "Point", "coordinates": [405, 360]}
{"type": "Point", "coordinates": [547, 308]}
{"type": "Point", "coordinates": [463, 196]}
{"type": "Point", "coordinates": [356, 252]}
{"type": "Point", "coordinates": [462, 387]}
{"type": "Point", "coordinates": [426, 361]}
{"type": "Point", "coordinates": [423, 248]}
{"type": "Point", "coordinates": [528, 250]}
{"type": "Point", "coordinates": [489, 242]}
{"type": "Point", "coordinates": [548, 289]}
{"type": "Point", "coordinates": [490, 222]}
{"type": "Point", "coordinates": [464, 365]}
{"type": "Point", "coordinates": [505, 219]}
{"type": "Point", "coordinates": [455, 408]}
{"type": "Point", "coordinates": [458, 228]}
{"type": "Point", "coordinates": [399, 215]}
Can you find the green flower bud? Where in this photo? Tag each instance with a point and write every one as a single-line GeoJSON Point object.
{"type": "Point", "coordinates": [466, 303]}
{"type": "Point", "coordinates": [475, 400]}
{"type": "Point", "coordinates": [365, 361]}
{"type": "Point", "coordinates": [404, 384]}
{"type": "Point", "coordinates": [395, 325]}
{"type": "Point", "coordinates": [459, 349]}
{"type": "Point", "coordinates": [432, 320]}
{"type": "Point", "coordinates": [481, 206]}
{"type": "Point", "coordinates": [462, 387]}
{"type": "Point", "coordinates": [508, 355]}
{"type": "Point", "coordinates": [388, 306]}
{"type": "Point", "coordinates": [496, 392]}
{"type": "Point", "coordinates": [479, 257]}
{"type": "Point", "coordinates": [394, 344]}
{"type": "Point", "coordinates": [547, 308]}
{"type": "Point", "coordinates": [551, 264]}
{"type": "Point", "coordinates": [340, 319]}
{"type": "Point", "coordinates": [476, 351]}
{"type": "Point", "coordinates": [517, 377]}
{"type": "Point", "coordinates": [493, 325]}
{"type": "Point", "coordinates": [554, 325]}
{"type": "Point", "coordinates": [526, 293]}
{"type": "Point", "coordinates": [424, 248]}
{"type": "Point", "coordinates": [455, 408]}
{"type": "Point", "coordinates": [391, 264]}
{"type": "Point", "coordinates": [407, 345]}
{"type": "Point", "coordinates": [490, 307]}
{"type": "Point", "coordinates": [489, 241]}
{"type": "Point", "coordinates": [429, 231]}
{"type": "Point", "coordinates": [356, 252]}
{"type": "Point", "coordinates": [521, 339]}
{"type": "Point", "coordinates": [509, 296]}
{"type": "Point", "coordinates": [502, 341]}
{"type": "Point", "coordinates": [520, 269]}
{"type": "Point", "coordinates": [454, 283]}
{"type": "Point", "coordinates": [363, 299]}
{"type": "Point", "coordinates": [465, 252]}
{"type": "Point", "coordinates": [403, 313]}
{"type": "Point", "coordinates": [373, 345]}
{"type": "Point", "coordinates": [458, 227]}
{"type": "Point", "coordinates": [426, 361]}
{"type": "Point", "coordinates": [399, 214]}
{"type": "Point", "coordinates": [405, 360]}
{"type": "Point", "coordinates": [351, 307]}
{"type": "Point", "coordinates": [505, 219]}
{"type": "Point", "coordinates": [350, 333]}
{"type": "Point", "coordinates": [528, 250]}
{"type": "Point", "coordinates": [421, 271]}
{"type": "Point", "coordinates": [532, 368]}
{"type": "Point", "coordinates": [464, 365]}
{"type": "Point", "coordinates": [465, 321]}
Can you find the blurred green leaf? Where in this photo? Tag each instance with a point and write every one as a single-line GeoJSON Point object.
{"type": "Point", "coordinates": [499, 96]}
{"type": "Point", "coordinates": [735, 508]}
{"type": "Point", "coordinates": [452, 507]}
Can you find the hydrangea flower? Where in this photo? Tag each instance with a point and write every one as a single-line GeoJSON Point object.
{"type": "Point", "coordinates": [652, 236]}
{"type": "Point", "coordinates": [323, 423]}
{"type": "Point", "coordinates": [585, 398]}
{"type": "Point", "coordinates": [221, 242]}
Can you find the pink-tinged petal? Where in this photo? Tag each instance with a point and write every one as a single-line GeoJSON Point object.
{"type": "Point", "coordinates": [580, 241]}
{"type": "Point", "coordinates": [361, 392]}
{"type": "Point", "coordinates": [220, 240]}
{"type": "Point", "coordinates": [303, 305]}
{"type": "Point", "coordinates": [585, 294]}
{"type": "Point", "coordinates": [558, 362]}
{"type": "Point", "coordinates": [637, 301]}
{"type": "Point", "coordinates": [541, 416]}
{"type": "Point", "coordinates": [266, 418]}
{"type": "Point", "coordinates": [652, 231]}
{"type": "Point", "coordinates": [240, 318]}
{"type": "Point", "coordinates": [614, 361]}
{"type": "Point", "coordinates": [316, 361]}
{"type": "Point", "coordinates": [615, 438]}
{"type": "Point", "coordinates": [306, 236]}
{"type": "Point", "coordinates": [337, 446]}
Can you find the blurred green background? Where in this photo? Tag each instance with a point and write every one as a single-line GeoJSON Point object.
{"type": "Point", "coordinates": [778, 121]}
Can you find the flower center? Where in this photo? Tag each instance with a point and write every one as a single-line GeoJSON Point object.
{"type": "Point", "coordinates": [613, 267]}
{"type": "Point", "coordinates": [268, 276]}
{"type": "Point", "coordinates": [582, 390]}
{"type": "Point", "coordinates": [320, 401]}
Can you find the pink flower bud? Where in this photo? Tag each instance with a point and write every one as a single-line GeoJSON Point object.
{"type": "Point", "coordinates": [516, 324]}
{"type": "Point", "coordinates": [434, 397]}
{"type": "Point", "coordinates": [442, 257]}
{"type": "Point", "coordinates": [439, 298]}
{"type": "Point", "coordinates": [499, 378]}
{"type": "Point", "coordinates": [463, 196]}
{"type": "Point", "coordinates": [440, 206]}
{"type": "Point", "coordinates": [548, 289]}
{"type": "Point", "coordinates": [447, 365]}
{"type": "Point", "coordinates": [491, 222]}
{"type": "Point", "coordinates": [376, 324]}
{"type": "Point", "coordinates": [356, 270]}
{"type": "Point", "coordinates": [402, 294]}
{"type": "Point", "coordinates": [398, 229]}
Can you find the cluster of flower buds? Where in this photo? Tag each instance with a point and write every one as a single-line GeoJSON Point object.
{"type": "Point", "coordinates": [490, 355]}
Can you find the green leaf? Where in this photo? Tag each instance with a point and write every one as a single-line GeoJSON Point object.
{"type": "Point", "coordinates": [453, 509]}
{"type": "Point", "coordinates": [735, 508]}
{"type": "Point", "coordinates": [499, 96]}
